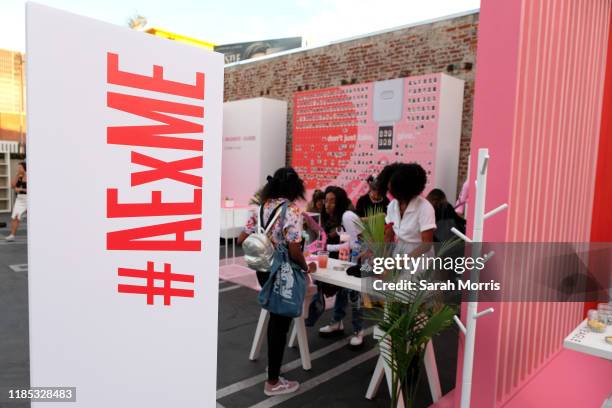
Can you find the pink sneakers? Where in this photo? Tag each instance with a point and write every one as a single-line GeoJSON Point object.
{"type": "Point", "coordinates": [283, 386]}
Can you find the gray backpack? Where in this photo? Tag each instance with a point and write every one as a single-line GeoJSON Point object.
{"type": "Point", "coordinates": [258, 248]}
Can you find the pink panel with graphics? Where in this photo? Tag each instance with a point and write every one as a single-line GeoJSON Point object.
{"type": "Point", "coordinates": [344, 134]}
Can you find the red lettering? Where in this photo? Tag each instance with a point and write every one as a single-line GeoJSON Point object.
{"type": "Point", "coordinates": [166, 170]}
{"type": "Point", "coordinates": [150, 289]}
{"type": "Point", "coordinates": [156, 207]}
{"type": "Point", "coordinates": [150, 135]}
{"type": "Point", "coordinates": [155, 83]}
{"type": "Point", "coordinates": [133, 239]}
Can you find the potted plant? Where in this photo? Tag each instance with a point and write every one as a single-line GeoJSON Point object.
{"type": "Point", "coordinates": [408, 320]}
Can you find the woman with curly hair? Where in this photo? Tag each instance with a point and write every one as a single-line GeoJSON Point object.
{"type": "Point", "coordinates": [283, 188]}
{"type": "Point", "coordinates": [410, 217]}
{"type": "Point", "coordinates": [338, 216]}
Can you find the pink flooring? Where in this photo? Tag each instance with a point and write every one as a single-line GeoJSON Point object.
{"type": "Point", "coordinates": [447, 401]}
{"type": "Point", "coordinates": [570, 380]}
{"type": "Point", "coordinates": [235, 270]}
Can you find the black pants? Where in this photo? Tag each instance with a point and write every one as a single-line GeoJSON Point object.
{"type": "Point", "coordinates": [278, 327]}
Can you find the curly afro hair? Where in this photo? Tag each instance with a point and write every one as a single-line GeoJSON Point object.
{"type": "Point", "coordinates": [384, 177]}
{"type": "Point", "coordinates": [285, 183]}
{"type": "Point", "coordinates": [407, 181]}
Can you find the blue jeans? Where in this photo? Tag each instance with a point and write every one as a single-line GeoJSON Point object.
{"type": "Point", "coordinates": [317, 307]}
{"type": "Point", "coordinates": [342, 298]}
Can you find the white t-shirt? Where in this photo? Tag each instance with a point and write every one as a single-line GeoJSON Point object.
{"type": "Point", "coordinates": [419, 216]}
{"type": "Point", "coordinates": [351, 224]}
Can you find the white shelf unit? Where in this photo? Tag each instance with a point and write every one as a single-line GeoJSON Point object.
{"type": "Point", "coordinates": [584, 340]}
{"type": "Point", "coordinates": [5, 182]}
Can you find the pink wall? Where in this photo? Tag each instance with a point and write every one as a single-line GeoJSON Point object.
{"type": "Point", "coordinates": [494, 106]}
{"type": "Point", "coordinates": [537, 108]}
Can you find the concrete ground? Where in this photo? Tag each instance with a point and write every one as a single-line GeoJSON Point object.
{"type": "Point", "coordinates": [14, 345]}
{"type": "Point", "coordinates": [339, 377]}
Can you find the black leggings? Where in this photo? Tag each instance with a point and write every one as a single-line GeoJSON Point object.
{"type": "Point", "coordinates": [278, 327]}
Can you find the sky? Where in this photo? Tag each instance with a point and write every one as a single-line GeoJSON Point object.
{"type": "Point", "coordinates": [228, 21]}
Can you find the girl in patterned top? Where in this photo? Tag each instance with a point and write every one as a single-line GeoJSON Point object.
{"type": "Point", "coordinates": [284, 186]}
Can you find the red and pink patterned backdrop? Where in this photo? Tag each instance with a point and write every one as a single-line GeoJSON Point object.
{"type": "Point", "coordinates": [341, 136]}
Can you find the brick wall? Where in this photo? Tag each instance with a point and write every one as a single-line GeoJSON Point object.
{"type": "Point", "coordinates": [444, 46]}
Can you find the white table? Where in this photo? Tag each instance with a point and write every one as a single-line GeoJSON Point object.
{"type": "Point", "coordinates": [298, 332]}
{"type": "Point", "coordinates": [582, 339]}
{"type": "Point", "coordinates": [337, 277]}
{"type": "Point", "coordinates": [340, 278]}
{"type": "Point", "coordinates": [233, 220]}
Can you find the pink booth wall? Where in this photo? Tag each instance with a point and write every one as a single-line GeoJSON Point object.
{"type": "Point", "coordinates": [538, 104]}
{"type": "Point", "coordinates": [344, 134]}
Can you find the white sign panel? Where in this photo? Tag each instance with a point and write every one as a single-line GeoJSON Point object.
{"type": "Point", "coordinates": [254, 142]}
{"type": "Point", "coordinates": [124, 147]}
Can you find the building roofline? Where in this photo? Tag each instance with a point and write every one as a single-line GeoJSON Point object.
{"type": "Point", "coordinates": [357, 37]}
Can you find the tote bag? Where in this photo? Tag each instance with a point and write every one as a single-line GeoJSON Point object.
{"type": "Point", "coordinates": [284, 291]}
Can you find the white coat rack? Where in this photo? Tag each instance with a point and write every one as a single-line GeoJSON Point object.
{"type": "Point", "coordinates": [469, 329]}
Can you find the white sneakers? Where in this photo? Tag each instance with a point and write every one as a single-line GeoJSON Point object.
{"type": "Point", "coordinates": [332, 328]}
{"type": "Point", "coordinates": [336, 328]}
{"type": "Point", "coordinates": [283, 386]}
{"type": "Point", "coordinates": [10, 238]}
{"type": "Point", "coordinates": [357, 339]}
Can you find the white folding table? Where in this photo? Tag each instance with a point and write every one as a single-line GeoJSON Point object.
{"type": "Point", "coordinates": [298, 332]}
{"type": "Point", "coordinates": [335, 274]}
{"type": "Point", "coordinates": [233, 220]}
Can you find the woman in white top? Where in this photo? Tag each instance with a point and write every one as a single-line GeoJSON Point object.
{"type": "Point", "coordinates": [411, 217]}
{"type": "Point", "coordinates": [20, 186]}
{"type": "Point", "coordinates": [336, 217]}
{"type": "Point", "coordinates": [350, 225]}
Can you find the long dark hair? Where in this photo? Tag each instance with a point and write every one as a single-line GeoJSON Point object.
{"type": "Point", "coordinates": [437, 198]}
{"type": "Point", "coordinates": [444, 210]}
{"type": "Point", "coordinates": [342, 205]}
{"type": "Point", "coordinates": [285, 183]}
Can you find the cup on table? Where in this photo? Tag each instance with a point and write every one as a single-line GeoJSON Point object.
{"type": "Point", "coordinates": [605, 311]}
{"type": "Point", "coordinates": [596, 322]}
{"type": "Point", "coordinates": [322, 257]}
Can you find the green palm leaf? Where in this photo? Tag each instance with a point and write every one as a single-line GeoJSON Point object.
{"type": "Point", "coordinates": [409, 319]}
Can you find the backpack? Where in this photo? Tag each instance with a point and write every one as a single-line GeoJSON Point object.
{"type": "Point", "coordinates": [258, 248]}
